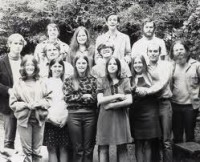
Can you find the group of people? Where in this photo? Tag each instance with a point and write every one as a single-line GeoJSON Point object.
{"type": "Point", "coordinates": [73, 97]}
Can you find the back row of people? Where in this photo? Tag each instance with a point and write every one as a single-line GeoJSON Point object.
{"type": "Point", "coordinates": [150, 80]}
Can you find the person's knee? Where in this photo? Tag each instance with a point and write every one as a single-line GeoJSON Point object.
{"type": "Point", "coordinates": [103, 149]}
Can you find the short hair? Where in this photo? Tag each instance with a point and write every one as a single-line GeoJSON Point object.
{"type": "Point", "coordinates": [59, 61]}
{"type": "Point", "coordinates": [111, 14]}
{"type": "Point", "coordinates": [16, 36]}
{"type": "Point", "coordinates": [154, 44]}
{"type": "Point", "coordinates": [118, 75]}
{"type": "Point", "coordinates": [52, 25]}
{"type": "Point", "coordinates": [148, 20]}
{"type": "Point", "coordinates": [185, 45]}
{"type": "Point", "coordinates": [74, 43]}
{"type": "Point", "coordinates": [103, 46]}
{"type": "Point", "coordinates": [56, 44]}
{"type": "Point", "coordinates": [22, 70]}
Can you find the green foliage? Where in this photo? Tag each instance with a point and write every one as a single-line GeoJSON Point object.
{"type": "Point", "coordinates": [30, 18]}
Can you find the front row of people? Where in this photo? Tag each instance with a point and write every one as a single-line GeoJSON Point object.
{"type": "Point", "coordinates": [137, 106]}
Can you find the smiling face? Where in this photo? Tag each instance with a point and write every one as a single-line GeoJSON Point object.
{"type": "Point", "coordinates": [148, 29]}
{"type": "Point", "coordinates": [180, 53]}
{"type": "Point", "coordinates": [138, 65]}
{"type": "Point", "coordinates": [57, 70]}
{"type": "Point", "coordinates": [29, 67]}
{"type": "Point", "coordinates": [81, 37]}
{"type": "Point", "coordinates": [153, 53]}
{"type": "Point", "coordinates": [81, 65]}
{"type": "Point", "coordinates": [106, 52]}
{"type": "Point", "coordinates": [52, 32]}
{"type": "Point", "coordinates": [52, 52]}
{"type": "Point", "coordinates": [112, 22]}
{"type": "Point", "coordinates": [112, 66]}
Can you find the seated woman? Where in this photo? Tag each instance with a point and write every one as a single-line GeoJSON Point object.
{"type": "Point", "coordinates": [114, 97]}
{"type": "Point", "coordinates": [144, 112]}
{"type": "Point", "coordinates": [29, 99]}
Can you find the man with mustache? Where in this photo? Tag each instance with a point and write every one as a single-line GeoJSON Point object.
{"type": "Point", "coordinates": [140, 46]}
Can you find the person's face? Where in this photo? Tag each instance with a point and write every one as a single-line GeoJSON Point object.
{"type": "Point", "coordinates": [112, 22]}
{"type": "Point", "coordinates": [16, 46]}
{"type": "Point", "coordinates": [138, 65]}
{"type": "Point", "coordinates": [180, 54]}
{"type": "Point", "coordinates": [81, 65]}
{"type": "Point", "coordinates": [106, 52]}
{"type": "Point", "coordinates": [112, 66]}
{"type": "Point", "coordinates": [29, 67]}
{"type": "Point", "coordinates": [52, 52]}
{"type": "Point", "coordinates": [57, 70]}
{"type": "Point", "coordinates": [52, 32]}
{"type": "Point", "coordinates": [153, 53]}
{"type": "Point", "coordinates": [148, 30]}
{"type": "Point", "coordinates": [82, 37]}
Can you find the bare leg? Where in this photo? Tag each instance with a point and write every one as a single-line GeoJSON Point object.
{"type": "Point", "coordinates": [139, 150]}
{"type": "Point", "coordinates": [52, 154]}
{"type": "Point", "coordinates": [147, 151]}
{"type": "Point", "coordinates": [63, 154]}
{"type": "Point", "coordinates": [103, 153]}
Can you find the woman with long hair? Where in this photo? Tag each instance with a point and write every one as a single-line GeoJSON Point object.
{"type": "Point", "coordinates": [144, 112]}
{"type": "Point", "coordinates": [29, 99]}
{"type": "Point", "coordinates": [56, 135]}
{"type": "Point", "coordinates": [80, 96]}
{"type": "Point", "coordinates": [114, 97]}
{"type": "Point", "coordinates": [81, 45]}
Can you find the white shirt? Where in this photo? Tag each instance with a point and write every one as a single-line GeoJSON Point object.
{"type": "Point", "coordinates": [15, 67]}
{"type": "Point", "coordinates": [140, 47]}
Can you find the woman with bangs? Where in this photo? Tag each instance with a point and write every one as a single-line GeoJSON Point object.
{"type": "Point", "coordinates": [81, 45]}
{"type": "Point", "coordinates": [29, 99]}
{"type": "Point", "coordinates": [80, 96]}
{"type": "Point", "coordinates": [114, 97]}
{"type": "Point", "coordinates": [144, 112]}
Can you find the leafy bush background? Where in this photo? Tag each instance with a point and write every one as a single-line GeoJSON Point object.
{"type": "Point", "coordinates": [30, 18]}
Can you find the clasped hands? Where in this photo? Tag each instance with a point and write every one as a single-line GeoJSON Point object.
{"type": "Point", "coordinates": [141, 91]}
{"type": "Point", "coordinates": [118, 97]}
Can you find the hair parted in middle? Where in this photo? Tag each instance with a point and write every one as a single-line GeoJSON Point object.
{"type": "Point", "coordinates": [23, 72]}
{"type": "Point", "coordinates": [74, 45]}
{"type": "Point", "coordinates": [118, 73]}
{"type": "Point", "coordinates": [76, 76]}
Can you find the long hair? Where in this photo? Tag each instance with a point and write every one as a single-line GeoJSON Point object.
{"type": "Point", "coordinates": [74, 45]}
{"type": "Point", "coordinates": [76, 76]}
{"type": "Point", "coordinates": [118, 73]}
{"type": "Point", "coordinates": [59, 61]}
{"type": "Point", "coordinates": [22, 70]}
{"type": "Point", "coordinates": [185, 45]}
{"type": "Point", "coordinates": [145, 68]}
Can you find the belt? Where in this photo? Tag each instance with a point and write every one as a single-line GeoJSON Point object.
{"type": "Point", "coordinates": [164, 99]}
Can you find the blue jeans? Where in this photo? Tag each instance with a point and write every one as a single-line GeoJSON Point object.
{"type": "Point", "coordinates": [82, 131]}
{"type": "Point", "coordinates": [10, 126]}
{"type": "Point", "coordinates": [184, 120]}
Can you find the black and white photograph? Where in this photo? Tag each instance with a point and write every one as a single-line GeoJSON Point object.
{"type": "Point", "coordinates": [99, 80]}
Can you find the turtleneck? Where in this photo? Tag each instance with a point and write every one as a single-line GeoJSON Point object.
{"type": "Point", "coordinates": [14, 58]}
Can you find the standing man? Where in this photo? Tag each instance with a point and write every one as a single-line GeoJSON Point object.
{"type": "Point", "coordinates": [9, 74]}
{"type": "Point", "coordinates": [161, 74]}
{"type": "Point", "coordinates": [52, 33]}
{"type": "Point", "coordinates": [113, 36]}
{"type": "Point", "coordinates": [140, 46]}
